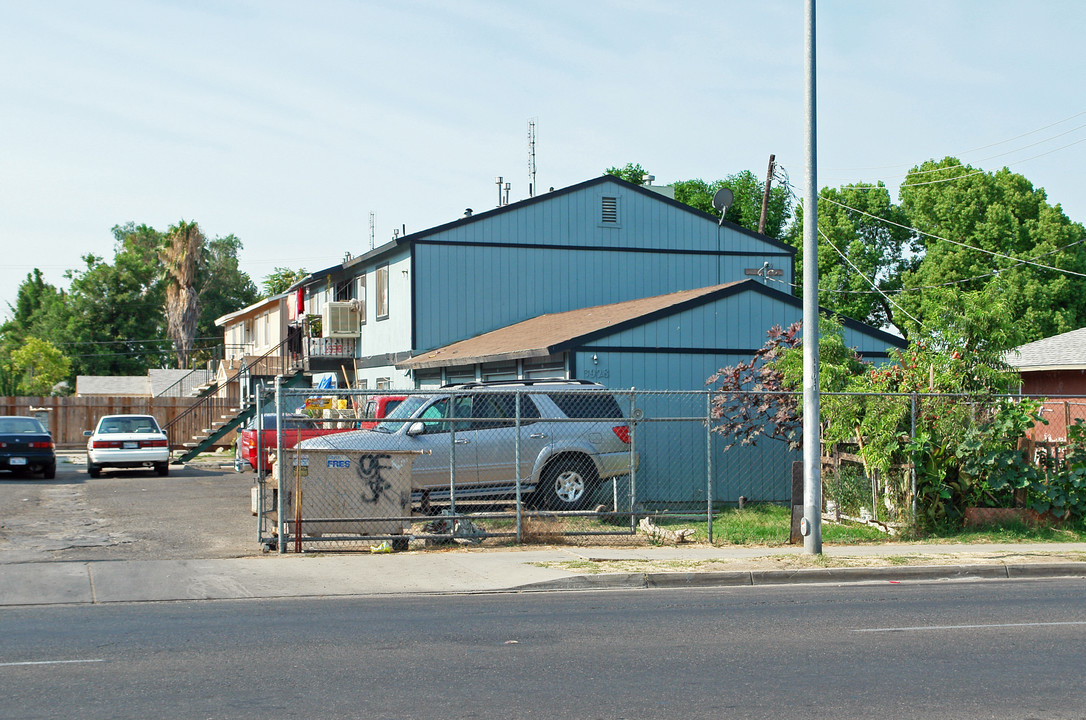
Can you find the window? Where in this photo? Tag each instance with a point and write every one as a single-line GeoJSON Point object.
{"type": "Point", "coordinates": [582, 405]}
{"type": "Point", "coordinates": [344, 291]}
{"type": "Point", "coordinates": [428, 379]}
{"type": "Point", "coordinates": [500, 410]}
{"type": "Point", "coordinates": [382, 292]}
{"type": "Point", "coordinates": [362, 298]}
{"type": "Point", "coordinates": [434, 416]}
{"type": "Point", "coordinates": [500, 371]}
{"type": "Point", "coordinates": [384, 383]}
{"type": "Point", "coordinates": [552, 366]}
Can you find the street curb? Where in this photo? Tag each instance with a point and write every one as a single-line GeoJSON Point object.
{"type": "Point", "coordinates": [738, 578]}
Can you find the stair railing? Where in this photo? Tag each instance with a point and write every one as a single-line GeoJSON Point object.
{"type": "Point", "coordinates": [211, 407]}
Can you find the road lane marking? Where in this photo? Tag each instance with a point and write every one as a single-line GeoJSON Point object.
{"type": "Point", "coordinates": [968, 627]}
{"type": "Point", "coordinates": [50, 662]}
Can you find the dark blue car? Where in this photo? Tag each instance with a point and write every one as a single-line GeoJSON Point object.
{"type": "Point", "coordinates": [26, 447]}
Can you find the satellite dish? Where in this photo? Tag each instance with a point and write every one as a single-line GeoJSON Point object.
{"type": "Point", "coordinates": [722, 200]}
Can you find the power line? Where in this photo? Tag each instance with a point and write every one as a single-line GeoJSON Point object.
{"type": "Point", "coordinates": [953, 242]}
{"type": "Point", "coordinates": [966, 152]}
{"type": "Point", "coordinates": [867, 279]}
{"type": "Point", "coordinates": [126, 342]}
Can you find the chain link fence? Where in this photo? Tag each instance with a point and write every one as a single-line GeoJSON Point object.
{"type": "Point", "coordinates": [546, 463]}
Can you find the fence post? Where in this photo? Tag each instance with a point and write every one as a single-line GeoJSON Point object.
{"type": "Point", "coordinates": [709, 462]}
{"type": "Point", "coordinates": [516, 452]}
{"type": "Point", "coordinates": [279, 464]}
{"type": "Point", "coordinates": [633, 456]}
{"type": "Point", "coordinates": [259, 425]}
{"type": "Point", "coordinates": [912, 453]}
{"type": "Point", "coordinates": [450, 413]}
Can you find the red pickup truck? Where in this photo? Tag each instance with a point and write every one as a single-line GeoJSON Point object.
{"type": "Point", "coordinates": [377, 408]}
{"type": "Point", "coordinates": [295, 429]}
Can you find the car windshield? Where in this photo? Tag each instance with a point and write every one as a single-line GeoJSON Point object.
{"type": "Point", "coordinates": [406, 409]}
{"type": "Point", "coordinates": [16, 426]}
{"type": "Point", "coordinates": [113, 425]}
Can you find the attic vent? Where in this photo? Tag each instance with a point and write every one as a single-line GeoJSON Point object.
{"type": "Point", "coordinates": [609, 210]}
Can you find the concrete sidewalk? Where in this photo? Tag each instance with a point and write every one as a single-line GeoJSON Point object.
{"type": "Point", "coordinates": [520, 570]}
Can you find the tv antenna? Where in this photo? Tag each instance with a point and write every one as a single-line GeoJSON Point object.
{"type": "Point", "coordinates": [531, 158]}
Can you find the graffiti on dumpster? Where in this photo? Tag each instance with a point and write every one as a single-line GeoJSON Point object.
{"type": "Point", "coordinates": [370, 468]}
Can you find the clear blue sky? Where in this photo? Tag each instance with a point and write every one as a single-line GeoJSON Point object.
{"type": "Point", "coordinates": [288, 123]}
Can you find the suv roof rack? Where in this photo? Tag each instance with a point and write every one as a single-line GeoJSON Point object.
{"type": "Point", "coordinates": [529, 382]}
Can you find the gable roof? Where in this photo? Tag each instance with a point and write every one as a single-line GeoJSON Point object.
{"type": "Point", "coordinates": [411, 238]}
{"type": "Point", "coordinates": [1059, 352]}
{"type": "Point", "coordinates": [269, 301]}
{"type": "Point", "coordinates": [120, 385]}
{"type": "Point", "coordinates": [162, 380]}
{"type": "Point", "coordinates": [556, 332]}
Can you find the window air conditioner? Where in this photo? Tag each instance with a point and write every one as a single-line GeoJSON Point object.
{"type": "Point", "coordinates": [340, 319]}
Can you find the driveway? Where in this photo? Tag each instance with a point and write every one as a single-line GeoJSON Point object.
{"type": "Point", "coordinates": [198, 511]}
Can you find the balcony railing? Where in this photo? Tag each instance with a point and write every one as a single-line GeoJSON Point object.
{"type": "Point", "coordinates": [330, 347]}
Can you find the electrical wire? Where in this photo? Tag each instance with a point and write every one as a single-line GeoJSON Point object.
{"type": "Point", "coordinates": [959, 177]}
{"type": "Point", "coordinates": [954, 242]}
{"type": "Point", "coordinates": [972, 150]}
{"type": "Point", "coordinates": [928, 287]}
{"type": "Point", "coordinates": [867, 279]}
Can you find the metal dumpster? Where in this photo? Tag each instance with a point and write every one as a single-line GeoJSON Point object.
{"type": "Point", "coordinates": [346, 493]}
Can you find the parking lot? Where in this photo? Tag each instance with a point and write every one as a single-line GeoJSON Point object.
{"type": "Point", "coordinates": [200, 510]}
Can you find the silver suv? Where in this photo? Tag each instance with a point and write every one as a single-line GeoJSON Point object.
{"type": "Point", "coordinates": [573, 436]}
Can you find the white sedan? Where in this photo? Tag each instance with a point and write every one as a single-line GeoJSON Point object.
{"type": "Point", "coordinates": [127, 441]}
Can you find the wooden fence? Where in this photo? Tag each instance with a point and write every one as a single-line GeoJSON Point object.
{"type": "Point", "coordinates": [70, 416]}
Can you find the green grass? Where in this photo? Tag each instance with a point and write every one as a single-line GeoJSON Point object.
{"type": "Point", "coordinates": [760, 524]}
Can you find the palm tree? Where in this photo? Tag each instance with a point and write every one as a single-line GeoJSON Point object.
{"type": "Point", "coordinates": [180, 256]}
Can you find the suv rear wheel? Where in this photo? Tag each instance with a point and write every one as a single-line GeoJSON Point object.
{"type": "Point", "coordinates": [568, 484]}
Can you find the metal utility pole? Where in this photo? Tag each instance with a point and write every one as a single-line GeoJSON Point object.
{"type": "Point", "coordinates": [765, 197]}
{"type": "Point", "coordinates": [811, 526]}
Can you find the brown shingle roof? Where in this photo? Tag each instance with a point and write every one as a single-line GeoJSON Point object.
{"type": "Point", "coordinates": [548, 334]}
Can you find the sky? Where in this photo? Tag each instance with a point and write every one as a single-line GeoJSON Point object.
{"type": "Point", "coordinates": [289, 124]}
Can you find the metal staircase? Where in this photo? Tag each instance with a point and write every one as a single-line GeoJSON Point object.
{"type": "Point", "coordinates": [215, 413]}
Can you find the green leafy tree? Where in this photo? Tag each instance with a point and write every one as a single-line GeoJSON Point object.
{"type": "Point", "coordinates": [746, 208]}
{"type": "Point", "coordinates": [864, 247]}
{"type": "Point", "coordinates": [281, 279]}
{"type": "Point", "coordinates": [38, 365]}
{"type": "Point", "coordinates": [632, 173]}
{"type": "Point", "coordinates": [116, 319]}
{"type": "Point", "coordinates": [983, 228]}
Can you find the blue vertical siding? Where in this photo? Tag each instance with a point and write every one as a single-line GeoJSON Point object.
{"type": "Point", "coordinates": [671, 445]}
{"type": "Point", "coordinates": [553, 255]}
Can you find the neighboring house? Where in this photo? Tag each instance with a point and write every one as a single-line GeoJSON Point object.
{"type": "Point", "coordinates": [177, 383]}
{"type": "Point", "coordinates": [1054, 367]}
{"type": "Point", "coordinates": [112, 385]}
{"type": "Point", "coordinates": [156, 383]}
{"type": "Point", "coordinates": [598, 242]}
{"type": "Point", "coordinates": [665, 342]}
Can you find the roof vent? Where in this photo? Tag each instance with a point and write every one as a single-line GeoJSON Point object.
{"type": "Point", "coordinates": [609, 210]}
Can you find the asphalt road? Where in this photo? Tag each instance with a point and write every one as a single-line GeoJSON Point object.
{"type": "Point", "coordinates": [950, 650]}
{"type": "Point", "coordinates": [196, 511]}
